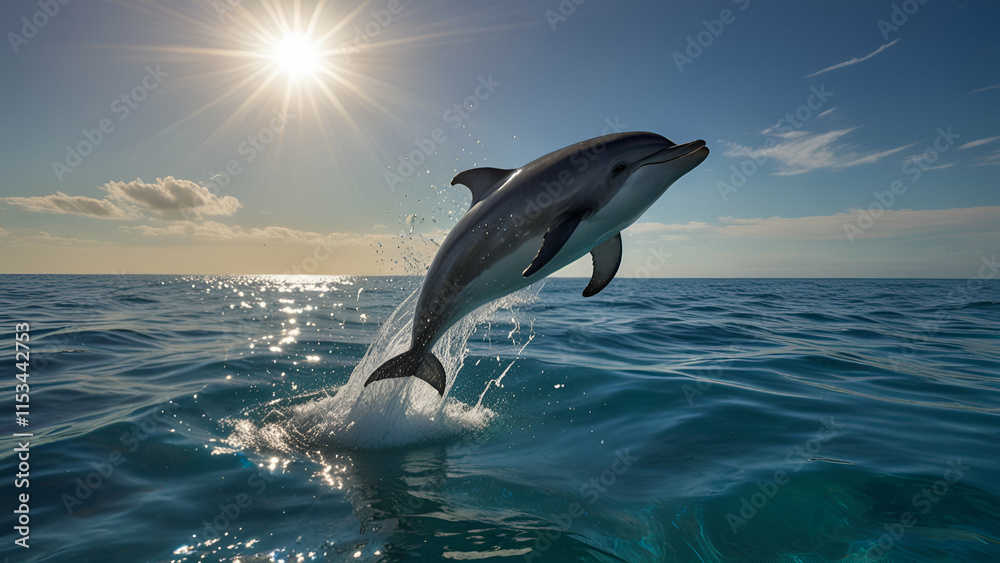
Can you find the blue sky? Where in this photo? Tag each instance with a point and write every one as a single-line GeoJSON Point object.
{"type": "Point", "coordinates": [819, 115]}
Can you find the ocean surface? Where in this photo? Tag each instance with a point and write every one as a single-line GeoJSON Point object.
{"type": "Point", "coordinates": [223, 418]}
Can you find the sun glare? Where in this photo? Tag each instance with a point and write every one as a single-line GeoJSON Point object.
{"type": "Point", "coordinates": [297, 56]}
{"type": "Point", "coordinates": [293, 57]}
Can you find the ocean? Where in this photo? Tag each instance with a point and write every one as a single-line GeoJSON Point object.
{"type": "Point", "coordinates": [223, 418]}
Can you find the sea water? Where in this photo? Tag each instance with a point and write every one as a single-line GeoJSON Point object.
{"type": "Point", "coordinates": [224, 418]}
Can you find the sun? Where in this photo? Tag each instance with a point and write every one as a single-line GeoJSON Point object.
{"type": "Point", "coordinates": [321, 58]}
{"type": "Point", "coordinates": [296, 55]}
{"type": "Point", "coordinates": [335, 64]}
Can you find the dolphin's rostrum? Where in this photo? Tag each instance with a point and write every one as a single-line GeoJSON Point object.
{"type": "Point", "coordinates": [527, 223]}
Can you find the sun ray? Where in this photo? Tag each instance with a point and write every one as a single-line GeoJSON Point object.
{"type": "Point", "coordinates": [337, 156]}
{"type": "Point", "coordinates": [272, 55]}
{"type": "Point", "coordinates": [457, 36]}
{"type": "Point", "coordinates": [239, 112]}
{"type": "Point", "coordinates": [208, 106]}
{"type": "Point", "coordinates": [336, 103]}
{"type": "Point", "coordinates": [314, 19]}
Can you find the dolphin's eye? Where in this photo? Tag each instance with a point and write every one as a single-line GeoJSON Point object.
{"type": "Point", "coordinates": [619, 169]}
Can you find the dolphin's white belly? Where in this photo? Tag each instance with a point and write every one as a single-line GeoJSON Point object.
{"type": "Point", "coordinates": [504, 276]}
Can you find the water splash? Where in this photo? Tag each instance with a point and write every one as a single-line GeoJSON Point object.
{"type": "Point", "coordinates": [395, 412]}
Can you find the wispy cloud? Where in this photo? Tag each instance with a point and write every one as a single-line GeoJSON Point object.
{"type": "Point", "coordinates": [212, 230]}
{"type": "Point", "coordinates": [23, 237]}
{"type": "Point", "coordinates": [220, 232]}
{"type": "Point", "coordinates": [800, 151]}
{"type": "Point", "coordinates": [892, 223]}
{"type": "Point", "coordinates": [166, 198]}
{"type": "Point", "coordinates": [940, 166]}
{"type": "Point", "coordinates": [992, 159]}
{"type": "Point", "coordinates": [855, 60]}
{"type": "Point", "coordinates": [978, 142]}
{"type": "Point", "coordinates": [667, 232]}
{"type": "Point", "coordinates": [62, 204]}
{"type": "Point", "coordinates": [978, 90]}
{"type": "Point", "coordinates": [664, 228]}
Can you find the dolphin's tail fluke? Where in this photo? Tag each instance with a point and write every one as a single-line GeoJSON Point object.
{"type": "Point", "coordinates": [420, 364]}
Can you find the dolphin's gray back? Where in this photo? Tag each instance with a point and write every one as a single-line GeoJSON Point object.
{"type": "Point", "coordinates": [516, 214]}
{"type": "Point", "coordinates": [528, 223]}
{"type": "Point", "coordinates": [504, 230]}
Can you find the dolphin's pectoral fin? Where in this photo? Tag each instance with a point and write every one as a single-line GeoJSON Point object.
{"type": "Point", "coordinates": [553, 242]}
{"type": "Point", "coordinates": [414, 363]}
{"type": "Point", "coordinates": [482, 181]}
{"type": "Point", "coordinates": [607, 259]}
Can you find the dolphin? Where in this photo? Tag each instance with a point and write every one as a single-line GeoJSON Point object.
{"type": "Point", "coordinates": [529, 222]}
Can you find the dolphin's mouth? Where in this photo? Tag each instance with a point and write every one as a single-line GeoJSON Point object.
{"type": "Point", "coordinates": [667, 154]}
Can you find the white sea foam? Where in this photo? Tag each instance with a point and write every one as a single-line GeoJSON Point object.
{"type": "Point", "coordinates": [390, 413]}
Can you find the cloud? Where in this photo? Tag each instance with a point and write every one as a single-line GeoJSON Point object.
{"type": "Point", "coordinates": [215, 231]}
{"type": "Point", "coordinates": [664, 228]}
{"type": "Point", "coordinates": [167, 198]}
{"type": "Point", "coordinates": [891, 223]}
{"type": "Point", "coordinates": [171, 198]}
{"type": "Point", "coordinates": [978, 90]}
{"type": "Point", "coordinates": [925, 160]}
{"type": "Point", "coordinates": [9, 238]}
{"type": "Point", "coordinates": [800, 151]}
{"type": "Point", "coordinates": [977, 143]}
{"type": "Point", "coordinates": [992, 159]}
{"type": "Point", "coordinates": [666, 232]}
{"type": "Point", "coordinates": [855, 61]}
{"type": "Point", "coordinates": [212, 230]}
{"type": "Point", "coordinates": [940, 166]}
{"type": "Point", "coordinates": [62, 204]}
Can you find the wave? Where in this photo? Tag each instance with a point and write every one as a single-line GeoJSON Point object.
{"type": "Point", "coordinates": [394, 413]}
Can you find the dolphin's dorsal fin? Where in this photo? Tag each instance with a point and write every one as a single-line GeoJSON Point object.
{"type": "Point", "coordinates": [553, 242]}
{"type": "Point", "coordinates": [482, 181]}
{"type": "Point", "coordinates": [607, 259]}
